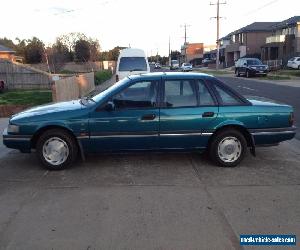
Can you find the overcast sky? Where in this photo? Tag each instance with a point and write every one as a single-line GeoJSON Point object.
{"type": "Point", "coordinates": [145, 24]}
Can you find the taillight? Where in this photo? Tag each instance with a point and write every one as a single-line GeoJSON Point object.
{"type": "Point", "coordinates": [117, 78]}
{"type": "Point", "coordinates": [291, 119]}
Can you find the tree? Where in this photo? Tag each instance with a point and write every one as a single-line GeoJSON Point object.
{"type": "Point", "coordinates": [94, 49]}
{"type": "Point", "coordinates": [111, 55]}
{"type": "Point", "coordinates": [34, 51]}
{"type": "Point", "coordinates": [175, 55]}
{"type": "Point", "coordinates": [82, 50]}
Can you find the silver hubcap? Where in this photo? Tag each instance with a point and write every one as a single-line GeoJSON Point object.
{"type": "Point", "coordinates": [55, 151]}
{"type": "Point", "coordinates": [229, 149]}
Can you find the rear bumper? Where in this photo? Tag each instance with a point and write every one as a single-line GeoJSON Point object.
{"type": "Point", "coordinates": [272, 135]}
{"type": "Point", "coordinates": [20, 142]}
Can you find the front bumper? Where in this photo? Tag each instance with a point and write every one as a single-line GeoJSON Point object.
{"type": "Point", "coordinates": [20, 142]}
{"type": "Point", "coordinates": [272, 135]}
{"type": "Point", "coordinates": [259, 72]}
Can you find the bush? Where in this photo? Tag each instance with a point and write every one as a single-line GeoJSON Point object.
{"type": "Point", "coordinates": [102, 76]}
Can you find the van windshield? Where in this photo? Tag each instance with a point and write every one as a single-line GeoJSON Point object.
{"type": "Point", "coordinates": [133, 64]}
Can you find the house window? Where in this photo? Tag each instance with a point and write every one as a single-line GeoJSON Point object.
{"type": "Point", "coordinates": [233, 38]}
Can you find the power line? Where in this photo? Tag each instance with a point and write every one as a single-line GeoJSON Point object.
{"type": "Point", "coordinates": [218, 30]}
{"type": "Point", "coordinates": [262, 7]}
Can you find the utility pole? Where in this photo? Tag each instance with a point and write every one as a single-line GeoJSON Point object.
{"type": "Point", "coordinates": [185, 40]}
{"type": "Point", "coordinates": [169, 50]}
{"type": "Point", "coordinates": [218, 31]}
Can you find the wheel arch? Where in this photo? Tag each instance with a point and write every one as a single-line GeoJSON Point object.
{"type": "Point", "coordinates": [242, 129]}
{"type": "Point", "coordinates": [43, 129]}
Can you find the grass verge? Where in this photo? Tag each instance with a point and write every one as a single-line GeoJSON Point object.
{"type": "Point", "coordinates": [102, 76]}
{"type": "Point", "coordinates": [25, 97]}
{"type": "Point", "coordinates": [213, 72]}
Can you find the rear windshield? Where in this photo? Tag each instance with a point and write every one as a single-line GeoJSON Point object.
{"type": "Point", "coordinates": [133, 64]}
{"type": "Point", "coordinates": [254, 62]}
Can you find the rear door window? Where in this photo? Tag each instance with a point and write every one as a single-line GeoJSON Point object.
{"type": "Point", "coordinates": [180, 93]}
{"type": "Point", "coordinates": [226, 97]}
{"type": "Point", "coordinates": [132, 64]}
{"type": "Point", "coordinates": [205, 98]}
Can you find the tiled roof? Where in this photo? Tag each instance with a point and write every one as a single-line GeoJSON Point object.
{"type": "Point", "coordinates": [286, 23]}
{"type": "Point", "coordinates": [5, 49]}
{"type": "Point", "coordinates": [257, 26]}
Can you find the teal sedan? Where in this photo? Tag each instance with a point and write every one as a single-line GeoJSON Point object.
{"type": "Point", "coordinates": [152, 112]}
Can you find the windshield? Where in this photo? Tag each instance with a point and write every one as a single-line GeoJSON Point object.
{"type": "Point", "coordinates": [254, 62]}
{"type": "Point", "coordinates": [174, 61]}
{"type": "Point", "coordinates": [133, 64]}
{"type": "Point", "coordinates": [187, 64]}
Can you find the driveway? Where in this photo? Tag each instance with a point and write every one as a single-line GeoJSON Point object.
{"type": "Point", "coordinates": [148, 201]}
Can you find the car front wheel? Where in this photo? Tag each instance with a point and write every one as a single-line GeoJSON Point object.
{"type": "Point", "coordinates": [56, 149]}
{"type": "Point", "coordinates": [228, 148]}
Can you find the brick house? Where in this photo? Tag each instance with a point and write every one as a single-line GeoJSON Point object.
{"type": "Point", "coordinates": [192, 53]}
{"type": "Point", "coordinates": [246, 41]}
{"type": "Point", "coordinates": [284, 42]}
{"type": "Point", "coordinates": [9, 54]}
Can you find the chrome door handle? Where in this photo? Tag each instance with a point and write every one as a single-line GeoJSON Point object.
{"type": "Point", "coordinates": [208, 114]}
{"type": "Point", "coordinates": [148, 117]}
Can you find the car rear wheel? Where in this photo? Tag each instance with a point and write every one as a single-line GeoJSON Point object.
{"type": "Point", "coordinates": [237, 72]}
{"type": "Point", "coordinates": [56, 149]}
{"type": "Point", "coordinates": [228, 148]}
{"type": "Point", "coordinates": [247, 74]}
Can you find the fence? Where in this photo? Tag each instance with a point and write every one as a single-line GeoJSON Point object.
{"type": "Point", "coordinates": [73, 87]}
{"type": "Point", "coordinates": [19, 76]}
{"type": "Point", "coordinates": [274, 64]}
{"type": "Point", "coordinates": [78, 67]}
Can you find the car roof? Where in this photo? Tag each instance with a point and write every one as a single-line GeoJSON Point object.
{"type": "Point", "coordinates": [170, 75]}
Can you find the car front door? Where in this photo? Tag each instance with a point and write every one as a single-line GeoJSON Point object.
{"type": "Point", "coordinates": [129, 120]}
{"type": "Point", "coordinates": [187, 112]}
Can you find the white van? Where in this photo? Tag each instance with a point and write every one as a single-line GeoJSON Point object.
{"type": "Point", "coordinates": [131, 62]}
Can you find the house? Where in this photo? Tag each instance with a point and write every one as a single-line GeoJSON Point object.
{"type": "Point", "coordinates": [284, 42]}
{"type": "Point", "coordinates": [192, 53]}
{"type": "Point", "coordinates": [9, 54]}
{"type": "Point", "coordinates": [247, 41]}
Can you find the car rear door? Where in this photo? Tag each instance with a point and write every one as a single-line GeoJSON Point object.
{"type": "Point", "coordinates": [187, 112]}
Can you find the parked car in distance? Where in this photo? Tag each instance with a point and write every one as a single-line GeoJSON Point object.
{"type": "Point", "coordinates": [152, 112]}
{"type": "Point", "coordinates": [130, 62]}
{"type": "Point", "coordinates": [174, 64]}
{"type": "Point", "coordinates": [294, 63]}
{"type": "Point", "coordinates": [250, 67]}
{"type": "Point", "coordinates": [1, 86]}
{"type": "Point", "coordinates": [186, 67]}
{"type": "Point", "coordinates": [157, 66]}
{"type": "Point", "coordinates": [207, 61]}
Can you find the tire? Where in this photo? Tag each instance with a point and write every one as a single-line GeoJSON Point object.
{"type": "Point", "coordinates": [299, 67]}
{"type": "Point", "coordinates": [247, 74]}
{"type": "Point", "coordinates": [237, 73]}
{"type": "Point", "coordinates": [237, 143]}
{"type": "Point", "coordinates": [64, 141]}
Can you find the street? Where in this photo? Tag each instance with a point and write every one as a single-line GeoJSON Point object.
{"type": "Point", "coordinates": [152, 200]}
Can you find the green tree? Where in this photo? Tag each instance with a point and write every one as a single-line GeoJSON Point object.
{"type": "Point", "coordinates": [111, 55]}
{"type": "Point", "coordinates": [34, 50]}
{"type": "Point", "coordinates": [82, 50]}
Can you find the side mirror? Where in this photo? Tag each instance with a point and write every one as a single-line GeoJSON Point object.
{"type": "Point", "coordinates": [109, 106]}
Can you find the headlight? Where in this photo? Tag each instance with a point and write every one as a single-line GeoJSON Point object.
{"type": "Point", "coordinates": [13, 129]}
{"type": "Point", "coordinates": [253, 67]}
